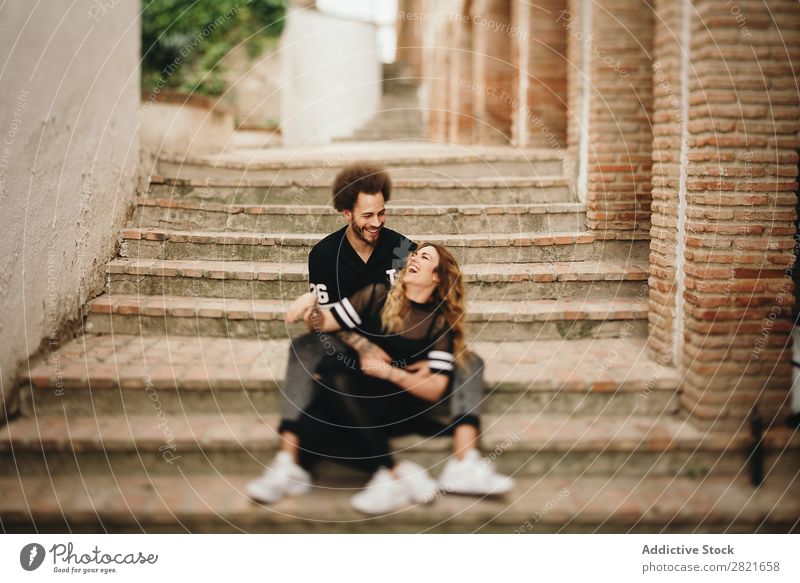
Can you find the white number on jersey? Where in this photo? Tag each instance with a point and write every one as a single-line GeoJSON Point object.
{"type": "Point", "coordinates": [321, 290]}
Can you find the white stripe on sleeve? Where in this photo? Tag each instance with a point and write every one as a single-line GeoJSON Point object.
{"type": "Point", "coordinates": [440, 355]}
{"type": "Point", "coordinates": [440, 365]}
{"type": "Point", "coordinates": [343, 315]}
{"type": "Point", "coordinates": [353, 314]}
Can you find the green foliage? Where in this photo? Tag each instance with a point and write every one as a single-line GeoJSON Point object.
{"type": "Point", "coordinates": [183, 41]}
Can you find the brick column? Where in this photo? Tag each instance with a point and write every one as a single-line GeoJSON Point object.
{"type": "Point", "coordinates": [670, 105]}
{"type": "Point", "coordinates": [620, 136]}
{"type": "Point", "coordinates": [740, 207]}
{"type": "Point", "coordinates": [409, 35]}
{"type": "Point", "coordinates": [436, 67]}
{"type": "Point", "coordinates": [496, 94]}
{"type": "Point", "coordinates": [575, 22]}
{"type": "Point", "coordinates": [462, 94]}
{"type": "Point", "coordinates": [542, 122]}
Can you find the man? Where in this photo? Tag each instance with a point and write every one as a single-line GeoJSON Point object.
{"type": "Point", "coordinates": [364, 252]}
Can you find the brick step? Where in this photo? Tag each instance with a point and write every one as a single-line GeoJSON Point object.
{"type": "Point", "coordinates": [583, 504]}
{"type": "Point", "coordinates": [415, 160]}
{"type": "Point", "coordinates": [115, 374]}
{"type": "Point", "coordinates": [323, 219]}
{"type": "Point", "coordinates": [156, 243]}
{"type": "Point", "coordinates": [524, 445]}
{"type": "Point", "coordinates": [256, 280]}
{"type": "Point", "coordinates": [438, 190]}
{"type": "Point", "coordinates": [488, 321]}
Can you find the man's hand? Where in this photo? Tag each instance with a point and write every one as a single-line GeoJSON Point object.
{"type": "Point", "coordinates": [298, 308]}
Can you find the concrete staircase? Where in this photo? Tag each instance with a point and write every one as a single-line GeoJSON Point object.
{"type": "Point", "coordinates": [154, 419]}
{"type": "Point", "coordinates": [400, 116]}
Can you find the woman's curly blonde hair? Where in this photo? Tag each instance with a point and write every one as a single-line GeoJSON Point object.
{"type": "Point", "coordinates": [448, 295]}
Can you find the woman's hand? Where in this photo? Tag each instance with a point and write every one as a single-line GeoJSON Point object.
{"type": "Point", "coordinates": [298, 308]}
{"type": "Point", "coordinates": [375, 366]}
{"type": "Point", "coordinates": [420, 369]}
{"type": "Point", "coordinates": [364, 347]}
{"type": "Point", "coordinates": [419, 380]}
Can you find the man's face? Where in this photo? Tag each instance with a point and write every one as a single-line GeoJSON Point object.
{"type": "Point", "coordinates": [367, 217]}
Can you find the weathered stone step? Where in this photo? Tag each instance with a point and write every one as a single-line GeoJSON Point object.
{"type": "Point", "coordinates": [583, 504]}
{"type": "Point", "coordinates": [323, 219]}
{"type": "Point", "coordinates": [156, 243]}
{"type": "Point", "coordinates": [527, 446]}
{"type": "Point", "coordinates": [256, 280]}
{"type": "Point", "coordinates": [241, 318]}
{"type": "Point", "coordinates": [438, 190]}
{"type": "Point", "coordinates": [116, 374]}
{"type": "Point", "coordinates": [416, 161]}
{"type": "Point", "coordinates": [389, 130]}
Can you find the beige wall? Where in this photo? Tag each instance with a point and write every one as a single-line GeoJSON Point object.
{"type": "Point", "coordinates": [331, 77]}
{"type": "Point", "coordinates": [69, 154]}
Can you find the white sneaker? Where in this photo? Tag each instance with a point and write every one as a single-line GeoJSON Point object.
{"type": "Point", "coordinates": [382, 494]}
{"type": "Point", "coordinates": [422, 489]}
{"type": "Point", "coordinates": [282, 478]}
{"type": "Point", "coordinates": [474, 476]}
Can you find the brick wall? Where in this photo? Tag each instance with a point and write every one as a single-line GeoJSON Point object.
{"type": "Point", "coordinates": [742, 166]}
{"type": "Point", "coordinates": [471, 56]}
{"type": "Point", "coordinates": [618, 190]}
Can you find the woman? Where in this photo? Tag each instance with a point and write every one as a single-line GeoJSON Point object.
{"type": "Point", "coordinates": [419, 324]}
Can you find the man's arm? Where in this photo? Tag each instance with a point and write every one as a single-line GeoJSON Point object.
{"type": "Point", "coordinates": [322, 278]}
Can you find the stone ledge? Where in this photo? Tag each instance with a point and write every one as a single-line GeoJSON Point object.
{"type": "Point", "coordinates": [263, 271]}
{"type": "Point", "coordinates": [278, 239]}
{"type": "Point", "coordinates": [449, 183]}
{"type": "Point", "coordinates": [532, 434]}
{"type": "Point", "coordinates": [395, 209]}
{"type": "Point", "coordinates": [122, 361]}
{"type": "Point", "coordinates": [237, 309]}
{"type": "Point", "coordinates": [218, 504]}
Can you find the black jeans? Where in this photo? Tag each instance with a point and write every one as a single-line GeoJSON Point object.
{"type": "Point", "coordinates": [352, 416]}
{"type": "Point", "coordinates": [464, 397]}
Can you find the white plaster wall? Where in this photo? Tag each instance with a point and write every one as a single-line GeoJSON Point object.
{"type": "Point", "coordinates": [331, 77]}
{"type": "Point", "coordinates": [69, 156]}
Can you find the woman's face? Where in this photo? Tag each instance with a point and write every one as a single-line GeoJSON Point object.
{"type": "Point", "coordinates": [422, 266]}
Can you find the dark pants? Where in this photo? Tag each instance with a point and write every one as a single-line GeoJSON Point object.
{"type": "Point", "coordinates": [307, 352]}
{"type": "Point", "coordinates": [352, 416]}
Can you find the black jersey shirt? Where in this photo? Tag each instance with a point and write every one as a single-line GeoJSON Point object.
{"type": "Point", "coordinates": [336, 271]}
{"type": "Point", "coordinates": [425, 334]}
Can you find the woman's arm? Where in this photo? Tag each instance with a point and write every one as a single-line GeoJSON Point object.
{"type": "Point", "coordinates": [420, 382]}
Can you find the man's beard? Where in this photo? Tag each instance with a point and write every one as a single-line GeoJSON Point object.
{"type": "Point", "coordinates": [359, 232]}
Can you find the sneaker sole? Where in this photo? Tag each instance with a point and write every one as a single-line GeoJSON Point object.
{"type": "Point", "coordinates": [293, 491]}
